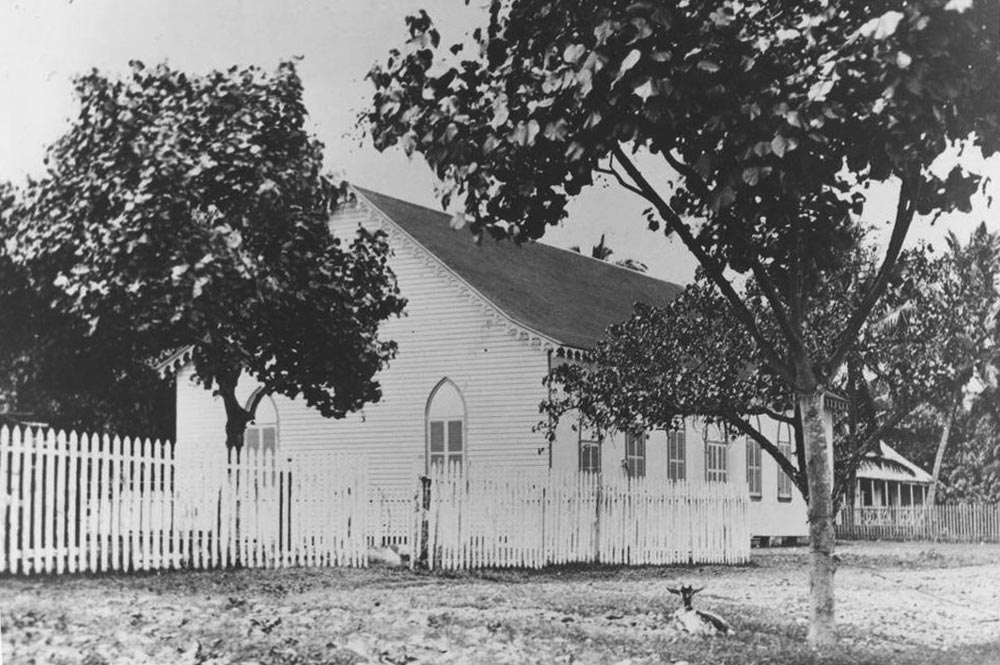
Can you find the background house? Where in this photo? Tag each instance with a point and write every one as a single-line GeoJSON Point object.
{"type": "Point", "coordinates": [483, 325]}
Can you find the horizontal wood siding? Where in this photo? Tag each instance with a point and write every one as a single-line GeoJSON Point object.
{"type": "Point", "coordinates": [445, 333]}
{"type": "Point", "coordinates": [768, 516]}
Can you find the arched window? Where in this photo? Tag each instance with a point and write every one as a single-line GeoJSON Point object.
{"type": "Point", "coordinates": [445, 425]}
{"type": "Point", "coordinates": [261, 434]}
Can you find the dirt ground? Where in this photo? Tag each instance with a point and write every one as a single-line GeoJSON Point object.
{"type": "Point", "coordinates": [906, 603]}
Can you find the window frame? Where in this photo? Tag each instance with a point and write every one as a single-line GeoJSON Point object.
{"type": "Point", "coordinates": [755, 468]}
{"type": "Point", "coordinates": [446, 457]}
{"type": "Point", "coordinates": [785, 447]}
{"type": "Point", "coordinates": [635, 454]}
{"type": "Point", "coordinates": [258, 430]}
{"type": "Point", "coordinates": [677, 453]}
{"type": "Point", "coordinates": [716, 451]}
{"type": "Point", "coordinates": [588, 449]}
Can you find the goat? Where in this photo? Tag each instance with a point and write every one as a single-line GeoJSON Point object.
{"type": "Point", "coordinates": [695, 621]}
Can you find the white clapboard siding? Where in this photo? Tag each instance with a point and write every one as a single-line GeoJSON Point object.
{"type": "Point", "coordinates": [72, 502]}
{"type": "Point", "coordinates": [447, 332]}
{"type": "Point", "coordinates": [476, 518]}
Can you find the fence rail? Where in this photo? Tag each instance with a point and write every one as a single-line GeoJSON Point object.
{"type": "Point", "coordinates": [524, 519]}
{"type": "Point", "coordinates": [964, 522]}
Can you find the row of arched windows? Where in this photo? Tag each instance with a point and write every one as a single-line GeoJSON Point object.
{"type": "Point", "coordinates": [445, 422]}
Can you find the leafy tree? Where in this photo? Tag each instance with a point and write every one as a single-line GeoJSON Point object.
{"type": "Point", "coordinates": [602, 252]}
{"type": "Point", "coordinates": [690, 358]}
{"type": "Point", "coordinates": [191, 211]}
{"type": "Point", "coordinates": [767, 119]}
{"type": "Point", "coordinates": [51, 371]}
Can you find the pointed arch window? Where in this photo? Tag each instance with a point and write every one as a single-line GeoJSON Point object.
{"type": "Point", "coordinates": [261, 434]}
{"type": "Point", "coordinates": [446, 426]}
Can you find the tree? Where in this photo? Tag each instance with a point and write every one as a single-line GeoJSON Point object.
{"type": "Point", "coordinates": [602, 252]}
{"type": "Point", "coordinates": [768, 120]}
{"type": "Point", "coordinates": [691, 359]}
{"type": "Point", "coordinates": [51, 371]}
{"type": "Point", "coordinates": [956, 310]}
{"type": "Point", "coordinates": [192, 211]}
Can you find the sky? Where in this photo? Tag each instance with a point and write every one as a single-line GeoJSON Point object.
{"type": "Point", "coordinates": [45, 43]}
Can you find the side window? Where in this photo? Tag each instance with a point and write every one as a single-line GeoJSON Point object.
{"type": "Point", "coordinates": [677, 454]}
{"type": "Point", "coordinates": [754, 476]}
{"type": "Point", "coordinates": [261, 434]}
{"type": "Point", "coordinates": [635, 454]}
{"type": "Point", "coordinates": [590, 449]}
{"type": "Point", "coordinates": [716, 455]}
{"type": "Point", "coordinates": [785, 448]}
{"type": "Point", "coordinates": [446, 421]}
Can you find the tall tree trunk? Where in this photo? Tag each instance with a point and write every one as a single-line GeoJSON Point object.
{"type": "Point", "coordinates": [822, 538]}
{"type": "Point", "coordinates": [951, 409]}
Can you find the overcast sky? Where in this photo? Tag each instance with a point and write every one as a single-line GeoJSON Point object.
{"type": "Point", "coordinates": [44, 43]}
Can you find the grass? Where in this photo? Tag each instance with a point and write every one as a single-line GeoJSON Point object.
{"type": "Point", "coordinates": [910, 604]}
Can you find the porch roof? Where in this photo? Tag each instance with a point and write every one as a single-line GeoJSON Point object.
{"type": "Point", "coordinates": [873, 469]}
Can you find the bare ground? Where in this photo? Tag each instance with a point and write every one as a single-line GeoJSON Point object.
{"type": "Point", "coordinates": [897, 603]}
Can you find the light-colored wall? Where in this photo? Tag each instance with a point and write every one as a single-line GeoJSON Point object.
{"type": "Point", "coordinates": [769, 516]}
{"type": "Point", "coordinates": [445, 333]}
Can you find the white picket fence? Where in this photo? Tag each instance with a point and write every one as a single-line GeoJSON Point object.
{"type": "Point", "coordinates": [520, 518]}
{"type": "Point", "coordinates": [73, 502]}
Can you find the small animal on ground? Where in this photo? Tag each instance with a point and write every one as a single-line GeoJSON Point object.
{"type": "Point", "coordinates": [697, 622]}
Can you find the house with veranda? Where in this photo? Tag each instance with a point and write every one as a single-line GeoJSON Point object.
{"type": "Point", "coordinates": [483, 326]}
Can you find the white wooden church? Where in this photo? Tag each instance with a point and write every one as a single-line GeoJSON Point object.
{"type": "Point", "coordinates": [482, 327]}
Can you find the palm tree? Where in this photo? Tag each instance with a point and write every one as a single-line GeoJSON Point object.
{"type": "Point", "coordinates": [602, 252]}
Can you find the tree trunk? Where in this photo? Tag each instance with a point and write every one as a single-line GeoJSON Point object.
{"type": "Point", "coordinates": [822, 538]}
{"type": "Point", "coordinates": [942, 444]}
{"type": "Point", "coordinates": [236, 416]}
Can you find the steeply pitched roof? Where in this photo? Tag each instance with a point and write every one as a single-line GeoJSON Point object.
{"type": "Point", "coordinates": [563, 295]}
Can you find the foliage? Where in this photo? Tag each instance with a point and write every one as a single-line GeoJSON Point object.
{"type": "Point", "coordinates": [51, 371]}
{"type": "Point", "coordinates": [758, 108]}
{"type": "Point", "coordinates": [191, 211]}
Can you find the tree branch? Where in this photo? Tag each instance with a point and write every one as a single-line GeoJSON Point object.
{"type": "Point", "coordinates": [904, 217]}
{"type": "Point", "coordinates": [776, 415]}
{"type": "Point", "coordinates": [766, 445]}
{"type": "Point", "coordinates": [618, 176]}
{"type": "Point", "coordinates": [711, 267]}
{"type": "Point", "coordinates": [771, 293]}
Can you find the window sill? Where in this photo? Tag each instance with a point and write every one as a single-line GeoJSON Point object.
{"type": "Point", "coordinates": [785, 499]}
{"type": "Point", "coordinates": [756, 497]}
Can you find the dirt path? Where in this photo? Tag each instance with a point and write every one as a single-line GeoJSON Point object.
{"type": "Point", "coordinates": [891, 601]}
